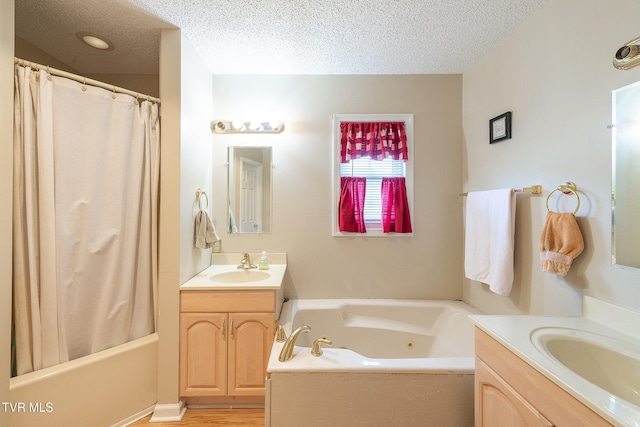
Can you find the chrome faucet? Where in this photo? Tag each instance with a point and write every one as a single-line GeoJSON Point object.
{"type": "Point", "coordinates": [287, 349]}
{"type": "Point", "coordinates": [245, 264]}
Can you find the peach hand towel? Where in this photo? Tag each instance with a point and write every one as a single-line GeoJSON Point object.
{"type": "Point", "coordinates": [489, 238]}
{"type": "Point", "coordinates": [560, 243]}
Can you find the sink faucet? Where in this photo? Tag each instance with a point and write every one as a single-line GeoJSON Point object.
{"type": "Point", "coordinates": [245, 264]}
{"type": "Point", "coordinates": [287, 349]}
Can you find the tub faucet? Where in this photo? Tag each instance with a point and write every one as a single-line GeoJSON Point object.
{"type": "Point", "coordinates": [245, 264]}
{"type": "Point", "coordinates": [287, 349]}
{"type": "Point", "coordinates": [280, 335]}
{"type": "Point", "coordinates": [316, 350]}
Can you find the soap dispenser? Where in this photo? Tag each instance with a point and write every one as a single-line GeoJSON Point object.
{"type": "Point", "coordinates": [264, 261]}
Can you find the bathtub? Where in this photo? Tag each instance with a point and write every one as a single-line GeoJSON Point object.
{"type": "Point", "coordinates": [391, 363]}
{"type": "Point", "coordinates": [113, 387]}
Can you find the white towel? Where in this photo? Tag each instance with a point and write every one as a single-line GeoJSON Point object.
{"type": "Point", "coordinates": [489, 236]}
{"type": "Point", "coordinates": [206, 234]}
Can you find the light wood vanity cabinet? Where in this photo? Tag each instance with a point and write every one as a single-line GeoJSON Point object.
{"type": "Point", "coordinates": [225, 341]}
{"type": "Point", "coordinates": [511, 393]}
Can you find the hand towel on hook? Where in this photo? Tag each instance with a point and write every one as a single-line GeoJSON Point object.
{"type": "Point", "coordinates": [206, 234]}
{"type": "Point", "coordinates": [489, 238]}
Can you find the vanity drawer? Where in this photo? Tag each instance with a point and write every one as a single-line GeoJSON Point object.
{"type": "Point", "coordinates": [227, 301]}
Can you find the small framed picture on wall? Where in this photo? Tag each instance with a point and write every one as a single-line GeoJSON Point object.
{"type": "Point", "coordinates": [500, 127]}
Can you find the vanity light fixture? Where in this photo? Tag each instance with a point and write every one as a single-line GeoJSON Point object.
{"type": "Point", "coordinates": [628, 56]}
{"type": "Point", "coordinates": [239, 126]}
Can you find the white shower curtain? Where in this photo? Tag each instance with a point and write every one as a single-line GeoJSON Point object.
{"type": "Point", "coordinates": [86, 171]}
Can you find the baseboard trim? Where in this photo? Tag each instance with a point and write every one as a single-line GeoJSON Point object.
{"type": "Point", "coordinates": [226, 405]}
{"type": "Point", "coordinates": [168, 412]}
{"type": "Point", "coordinates": [133, 418]}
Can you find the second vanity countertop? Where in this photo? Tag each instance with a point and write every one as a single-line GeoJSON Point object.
{"type": "Point", "coordinates": [227, 264]}
{"type": "Point", "coordinates": [517, 333]}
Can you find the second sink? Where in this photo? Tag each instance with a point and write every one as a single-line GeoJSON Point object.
{"type": "Point", "coordinates": [608, 363]}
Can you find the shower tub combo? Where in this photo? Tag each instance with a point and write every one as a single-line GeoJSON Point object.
{"type": "Point", "coordinates": [391, 363]}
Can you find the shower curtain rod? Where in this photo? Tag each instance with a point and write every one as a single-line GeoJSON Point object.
{"type": "Point", "coordinates": [84, 80]}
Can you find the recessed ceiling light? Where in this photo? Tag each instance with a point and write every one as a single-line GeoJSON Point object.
{"type": "Point", "coordinates": [94, 41]}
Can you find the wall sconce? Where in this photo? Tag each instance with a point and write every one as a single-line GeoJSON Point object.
{"type": "Point", "coordinates": [229, 126]}
{"type": "Point", "coordinates": [628, 56]}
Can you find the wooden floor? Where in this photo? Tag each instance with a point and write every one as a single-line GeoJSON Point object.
{"type": "Point", "coordinates": [210, 417]}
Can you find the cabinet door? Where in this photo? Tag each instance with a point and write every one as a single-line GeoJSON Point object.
{"type": "Point", "coordinates": [250, 341]}
{"type": "Point", "coordinates": [498, 405]}
{"type": "Point", "coordinates": [203, 354]}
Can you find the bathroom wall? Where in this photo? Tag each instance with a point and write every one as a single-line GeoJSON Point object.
{"type": "Point", "coordinates": [426, 265]}
{"type": "Point", "coordinates": [6, 189]}
{"type": "Point", "coordinates": [25, 50]}
{"type": "Point", "coordinates": [186, 165]}
{"type": "Point", "coordinates": [555, 74]}
{"type": "Point", "coordinates": [195, 156]}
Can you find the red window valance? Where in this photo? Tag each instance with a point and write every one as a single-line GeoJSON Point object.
{"type": "Point", "coordinates": [377, 140]}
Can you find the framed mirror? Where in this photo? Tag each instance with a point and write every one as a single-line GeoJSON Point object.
{"type": "Point", "coordinates": [249, 190]}
{"type": "Point", "coordinates": [625, 192]}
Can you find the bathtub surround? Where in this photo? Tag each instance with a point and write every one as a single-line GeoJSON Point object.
{"type": "Point", "coordinates": [101, 389]}
{"type": "Point", "coordinates": [392, 362]}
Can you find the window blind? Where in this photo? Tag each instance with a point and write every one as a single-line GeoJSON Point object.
{"type": "Point", "coordinates": [374, 171]}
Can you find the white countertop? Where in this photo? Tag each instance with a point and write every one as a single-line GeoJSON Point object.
{"type": "Point", "coordinates": [515, 332]}
{"type": "Point", "coordinates": [205, 280]}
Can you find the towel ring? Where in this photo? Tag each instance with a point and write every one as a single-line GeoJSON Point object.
{"type": "Point", "coordinates": [566, 188]}
{"type": "Point", "coordinates": [199, 193]}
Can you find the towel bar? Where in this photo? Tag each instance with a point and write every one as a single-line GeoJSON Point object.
{"type": "Point", "coordinates": [534, 189]}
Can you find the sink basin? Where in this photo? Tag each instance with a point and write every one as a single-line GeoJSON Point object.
{"type": "Point", "coordinates": [610, 364]}
{"type": "Point", "coordinates": [240, 276]}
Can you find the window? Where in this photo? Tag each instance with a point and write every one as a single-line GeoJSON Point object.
{"type": "Point", "coordinates": [373, 171]}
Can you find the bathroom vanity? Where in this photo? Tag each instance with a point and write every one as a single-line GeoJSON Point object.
{"type": "Point", "coordinates": [558, 371]}
{"type": "Point", "coordinates": [227, 325]}
{"type": "Point", "coordinates": [510, 393]}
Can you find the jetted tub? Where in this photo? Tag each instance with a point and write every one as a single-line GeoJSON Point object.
{"type": "Point", "coordinates": [392, 363]}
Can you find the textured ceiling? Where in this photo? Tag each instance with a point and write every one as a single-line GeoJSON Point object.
{"type": "Point", "coordinates": [278, 36]}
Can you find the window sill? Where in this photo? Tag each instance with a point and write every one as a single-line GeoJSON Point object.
{"type": "Point", "coordinates": [371, 233]}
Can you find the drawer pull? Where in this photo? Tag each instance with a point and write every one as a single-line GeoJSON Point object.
{"type": "Point", "coordinates": [231, 328]}
{"type": "Point", "coordinates": [223, 328]}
